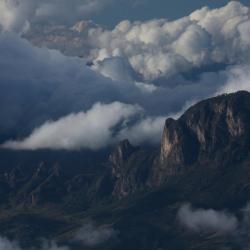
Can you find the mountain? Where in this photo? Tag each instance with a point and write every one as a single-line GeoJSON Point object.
{"type": "Point", "coordinates": [203, 160]}
{"type": "Point", "coordinates": [70, 41]}
{"type": "Point", "coordinates": [213, 132]}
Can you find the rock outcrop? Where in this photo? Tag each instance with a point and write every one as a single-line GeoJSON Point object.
{"type": "Point", "coordinates": [208, 131]}
{"type": "Point", "coordinates": [212, 133]}
{"type": "Point", "coordinates": [120, 155]}
{"type": "Point", "coordinates": [131, 168]}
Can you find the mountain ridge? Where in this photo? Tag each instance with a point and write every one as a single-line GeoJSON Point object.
{"type": "Point", "coordinates": [137, 190]}
{"type": "Point", "coordinates": [203, 135]}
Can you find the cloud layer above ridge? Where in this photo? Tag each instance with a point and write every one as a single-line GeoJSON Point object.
{"type": "Point", "coordinates": [153, 69]}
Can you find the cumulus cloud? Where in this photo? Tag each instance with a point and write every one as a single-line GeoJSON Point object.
{"type": "Point", "coordinates": [162, 49]}
{"type": "Point", "coordinates": [91, 236]}
{"type": "Point", "coordinates": [207, 220]}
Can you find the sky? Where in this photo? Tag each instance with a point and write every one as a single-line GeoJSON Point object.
{"type": "Point", "coordinates": [72, 79]}
{"type": "Point", "coordinates": [150, 9]}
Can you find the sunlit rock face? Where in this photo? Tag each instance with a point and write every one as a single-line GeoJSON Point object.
{"type": "Point", "coordinates": [214, 133]}
{"type": "Point", "coordinates": [122, 152]}
{"type": "Point", "coordinates": [207, 132]}
{"type": "Point", "coordinates": [176, 142]}
{"type": "Point", "coordinates": [125, 183]}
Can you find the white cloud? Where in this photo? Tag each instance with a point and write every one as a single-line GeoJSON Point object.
{"type": "Point", "coordinates": [220, 222]}
{"type": "Point", "coordinates": [147, 130]}
{"type": "Point", "coordinates": [99, 127]}
{"type": "Point", "coordinates": [116, 68]}
{"type": "Point", "coordinates": [91, 236]}
{"type": "Point", "coordinates": [207, 220]}
{"type": "Point", "coordinates": [162, 49]}
{"type": "Point", "coordinates": [238, 79]}
{"type": "Point", "coordinates": [93, 129]}
{"type": "Point", "coordinates": [47, 85]}
{"type": "Point", "coordinates": [13, 15]}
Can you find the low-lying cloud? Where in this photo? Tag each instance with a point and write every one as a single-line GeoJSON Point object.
{"type": "Point", "coordinates": [50, 89]}
{"type": "Point", "coordinates": [6, 244]}
{"type": "Point", "coordinates": [99, 127]}
{"type": "Point", "coordinates": [207, 220]}
{"type": "Point", "coordinates": [93, 129]}
{"type": "Point", "coordinates": [91, 236]}
{"type": "Point", "coordinates": [237, 229]}
{"type": "Point", "coordinates": [88, 235]}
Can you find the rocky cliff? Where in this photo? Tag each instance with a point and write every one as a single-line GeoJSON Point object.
{"type": "Point", "coordinates": [203, 160]}
{"type": "Point", "coordinates": [208, 130]}
{"type": "Point", "coordinates": [214, 132]}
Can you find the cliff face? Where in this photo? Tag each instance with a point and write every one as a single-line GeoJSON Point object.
{"type": "Point", "coordinates": [211, 127]}
{"type": "Point", "coordinates": [120, 155]}
{"type": "Point", "coordinates": [178, 146]}
{"type": "Point", "coordinates": [214, 132]}
{"type": "Point", "coordinates": [131, 168]}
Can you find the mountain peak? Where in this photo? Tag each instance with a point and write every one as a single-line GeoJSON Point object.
{"type": "Point", "coordinates": [213, 133]}
{"type": "Point", "coordinates": [207, 132]}
{"type": "Point", "coordinates": [122, 151]}
{"type": "Point", "coordinates": [121, 154]}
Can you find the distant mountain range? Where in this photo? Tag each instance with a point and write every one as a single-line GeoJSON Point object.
{"type": "Point", "coordinates": [70, 41]}
{"type": "Point", "coordinates": [203, 160]}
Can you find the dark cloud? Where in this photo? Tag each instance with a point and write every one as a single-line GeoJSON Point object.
{"type": "Point", "coordinates": [158, 66]}
{"type": "Point", "coordinates": [47, 85]}
{"type": "Point", "coordinates": [39, 85]}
